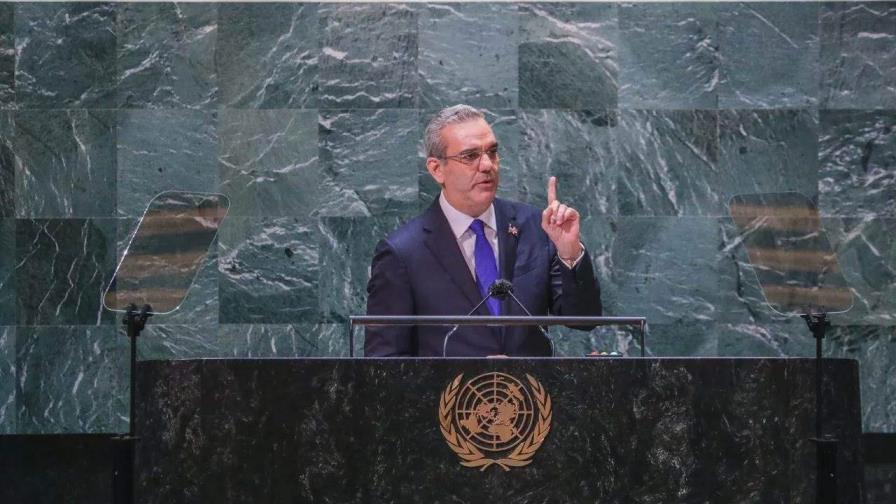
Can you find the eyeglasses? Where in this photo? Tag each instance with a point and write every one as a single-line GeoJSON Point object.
{"type": "Point", "coordinates": [470, 157]}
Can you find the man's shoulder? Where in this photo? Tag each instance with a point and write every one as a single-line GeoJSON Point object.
{"type": "Point", "coordinates": [408, 233]}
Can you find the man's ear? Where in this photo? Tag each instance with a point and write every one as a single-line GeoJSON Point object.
{"type": "Point", "coordinates": [435, 169]}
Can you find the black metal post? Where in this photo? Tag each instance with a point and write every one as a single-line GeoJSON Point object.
{"type": "Point", "coordinates": [825, 446]}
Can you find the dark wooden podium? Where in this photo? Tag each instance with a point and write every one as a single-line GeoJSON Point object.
{"type": "Point", "coordinates": [621, 430]}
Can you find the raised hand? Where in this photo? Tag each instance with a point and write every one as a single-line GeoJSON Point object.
{"type": "Point", "coordinates": [561, 223]}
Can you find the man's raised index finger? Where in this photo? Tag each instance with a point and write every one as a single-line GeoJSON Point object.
{"type": "Point", "coordinates": [552, 190]}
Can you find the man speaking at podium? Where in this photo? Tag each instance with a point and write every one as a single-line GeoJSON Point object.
{"type": "Point", "coordinates": [444, 261]}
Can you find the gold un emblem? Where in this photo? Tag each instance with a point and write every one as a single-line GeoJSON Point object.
{"type": "Point", "coordinates": [495, 414]}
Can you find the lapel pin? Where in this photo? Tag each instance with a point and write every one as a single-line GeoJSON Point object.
{"type": "Point", "coordinates": [512, 230]}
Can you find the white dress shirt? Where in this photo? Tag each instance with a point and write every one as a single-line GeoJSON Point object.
{"type": "Point", "coordinates": [466, 238]}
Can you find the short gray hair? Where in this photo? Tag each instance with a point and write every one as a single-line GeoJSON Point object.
{"type": "Point", "coordinates": [432, 138]}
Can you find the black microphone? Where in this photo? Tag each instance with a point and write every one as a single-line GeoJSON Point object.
{"type": "Point", "coordinates": [498, 289]}
{"type": "Point", "coordinates": [503, 288]}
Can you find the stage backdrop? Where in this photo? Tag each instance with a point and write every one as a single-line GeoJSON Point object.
{"type": "Point", "coordinates": [308, 116]}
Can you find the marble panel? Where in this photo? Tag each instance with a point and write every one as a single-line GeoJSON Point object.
{"type": "Point", "coordinates": [506, 128]}
{"type": "Point", "coordinates": [65, 55]}
{"type": "Point", "coordinates": [7, 165]}
{"type": "Point", "coordinates": [163, 341]}
{"type": "Point", "coordinates": [267, 55]}
{"type": "Point", "coordinates": [468, 54]}
{"type": "Point", "coordinates": [71, 379]}
{"type": "Point", "coordinates": [162, 150]}
{"type": "Point", "coordinates": [568, 55]}
{"type": "Point", "coordinates": [275, 340]}
{"type": "Point", "coordinates": [857, 163]}
{"type": "Point", "coordinates": [7, 272]}
{"type": "Point", "coordinates": [668, 55]}
{"type": "Point", "coordinates": [880, 483]}
{"type": "Point", "coordinates": [7, 56]}
{"type": "Point", "coordinates": [346, 250]}
{"type": "Point", "coordinates": [368, 56]}
{"type": "Point", "coordinates": [268, 270]}
{"type": "Point", "coordinates": [669, 163]}
{"type": "Point", "coordinates": [7, 380]}
{"type": "Point", "coordinates": [65, 163]}
{"type": "Point", "coordinates": [767, 151]}
{"type": "Point", "coordinates": [368, 158]}
{"type": "Point", "coordinates": [62, 269]}
{"type": "Point", "coordinates": [166, 55]}
{"type": "Point", "coordinates": [875, 349]}
{"type": "Point", "coordinates": [715, 339]}
{"type": "Point", "coordinates": [268, 164]}
{"type": "Point", "coordinates": [858, 55]}
{"type": "Point", "coordinates": [769, 55]}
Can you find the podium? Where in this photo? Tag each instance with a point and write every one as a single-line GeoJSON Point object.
{"type": "Point", "coordinates": [620, 430]}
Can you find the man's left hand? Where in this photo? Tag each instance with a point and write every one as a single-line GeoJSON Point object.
{"type": "Point", "coordinates": [561, 223]}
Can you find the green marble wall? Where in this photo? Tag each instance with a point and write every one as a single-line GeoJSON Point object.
{"type": "Point", "coordinates": [308, 116]}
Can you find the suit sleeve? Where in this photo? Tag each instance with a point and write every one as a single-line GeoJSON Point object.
{"type": "Point", "coordinates": [389, 293]}
{"type": "Point", "coordinates": [575, 291]}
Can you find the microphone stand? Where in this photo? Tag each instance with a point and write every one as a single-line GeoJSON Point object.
{"type": "Point", "coordinates": [544, 332]}
{"type": "Point", "coordinates": [454, 329]}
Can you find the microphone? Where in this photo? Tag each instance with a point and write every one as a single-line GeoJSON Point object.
{"type": "Point", "coordinates": [502, 288]}
{"type": "Point", "coordinates": [453, 329]}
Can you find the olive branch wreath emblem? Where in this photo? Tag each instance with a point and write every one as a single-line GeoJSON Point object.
{"type": "Point", "coordinates": [471, 456]}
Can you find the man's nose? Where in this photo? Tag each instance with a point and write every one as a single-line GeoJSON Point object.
{"type": "Point", "coordinates": [486, 163]}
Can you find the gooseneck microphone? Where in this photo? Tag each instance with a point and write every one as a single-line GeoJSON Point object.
{"type": "Point", "coordinates": [453, 329]}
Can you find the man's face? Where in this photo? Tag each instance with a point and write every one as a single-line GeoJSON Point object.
{"type": "Point", "coordinates": [470, 188]}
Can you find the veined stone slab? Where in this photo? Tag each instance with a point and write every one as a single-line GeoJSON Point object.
{"type": "Point", "coordinates": [7, 56]}
{"type": "Point", "coordinates": [875, 348]}
{"type": "Point", "coordinates": [8, 380]}
{"type": "Point", "coordinates": [7, 165]}
{"type": "Point", "coordinates": [7, 272]}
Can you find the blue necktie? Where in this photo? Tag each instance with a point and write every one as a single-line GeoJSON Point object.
{"type": "Point", "coordinates": [486, 269]}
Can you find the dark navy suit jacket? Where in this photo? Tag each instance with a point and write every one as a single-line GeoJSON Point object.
{"type": "Point", "coordinates": [419, 270]}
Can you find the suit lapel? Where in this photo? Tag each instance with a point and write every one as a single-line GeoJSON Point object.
{"type": "Point", "coordinates": [441, 243]}
{"type": "Point", "coordinates": [505, 217]}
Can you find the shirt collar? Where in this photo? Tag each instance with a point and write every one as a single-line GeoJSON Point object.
{"type": "Point", "coordinates": [460, 222]}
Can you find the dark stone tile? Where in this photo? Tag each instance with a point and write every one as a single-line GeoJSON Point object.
{"type": "Point", "coordinates": [880, 483]}
{"type": "Point", "coordinates": [7, 272]}
{"type": "Point", "coordinates": [786, 37]}
{"type": "Point", "coordinates": [682, 339]}
{"type": "Point", "coordinates": [65, 55]}
{"type": "Point", "coordinates": [245, 341]}
{"type": "Point", "coordinates": [166, 55]}
{"type": "Point", "coordinates": [7, 380]}
{"type": "Point", "coordinates": [268, 270]}
{"type": "Point", "coordinates": [267, 55]}
{"type": "Point", "coordinates": [163, 341]}
{"type": "Point", "coordinates": [66, 163]}
{"type": "Point", "coordinates": [875, 349]}
{"type": "Point", "coordinates": [669, 163]}
{"type": "Point", "coordinates": [346, 252]}
{"type": "Point", "coordinates": [71, 379]}
{"type": "Point", "coordinates": [62, 269]}
{"type": "Point", "coordinates": [765, 340]}
{"type": "Point", "coordinates": [268, 163]}
{"type": "Point", "coordinates": [161, 150]}
{"type": "Point", "coordinates": [368, 162]}
{"type": "Point", "coordinates": [7, 56]}
{"type": "Point", "coordinates": [668, 55]}
{"type": "Point", "coordinates": [7, 165]}
{"type": "Point", "coordinates": [858, 56]}
{"type": "Point", "coordinates": [857, 163]}
{"type": "Point", "coordinates": [567, 55]}
{"type": "Point", "coordinates": [469, 55]}
{"type": "Point", "coordinates": [369, 56]}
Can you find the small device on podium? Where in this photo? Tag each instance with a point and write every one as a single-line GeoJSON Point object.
{"type": "Point", "coordinates": [799, 275]}
{"type": "Point", "coordinates": [157, 269]}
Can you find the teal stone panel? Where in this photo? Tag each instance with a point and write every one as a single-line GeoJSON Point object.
{"type": "Point", "coordinates": [7, 165]}
{"type": "Point", "coordinates": [768, 151]}
{"type": "Point", "coordinates": [65, 55]}
{"type": "Point", "coordinates": [7, 56]}
{"type": "Point", "coordinates": [166, 55]}
{"type": "Point", "coordinates": [669, 163]}
{"type": "Point", "coordinates": [668, 55]}
{"type": "Point", "coordinates": [577, 147]}
{"type": "Point", "coordinates": [368, 56]}
{"type": "Point", "coordinates": [275, 340]}
{"type": "Point", "coordinates": [875, 349]}
{"type": "Point", "coordinates": [857, 163]}
{"type": "Point", "coordinates": [7, 272]}
{"type": "Point", "coordinates": [468, 54]}
{"type": "Point", "coordinates": [682, 339]}
{"type": "Point", "coordinates": [268, 270]}
{"type": "Point", "coordinates": [268, 164]}
{"type": "Point", "coordinates": [568, 55]}
{"type": "Point", "coordinates": [267, 55]}
{"type": "Point", "coordinates": [164, 341]}
{"type": "Point", "coordinates": [713, 339]}
{"type": "Point", "coordinates": [369, 162]}
{"type": "Point", "coordinates": [574, 343]}
{"type": "Point", "coordinates": [7, 380]}
{"type": "Point", "coordinates": [65, 163]}
{"type": "Point", "coordinates": [858, 56]}
{"type": "Point", "coordinates": [347, 245]}
{"type": "Point", "coordinates": [164, 150]}
{"type": "Point", "coordinates": [769, 55]}
{"type": "Point", "coordinates": [71, 380]}
{"type": "Point", "coordinates": [506, 127]}
{"type": "Point", "coordinates": [62, 269]}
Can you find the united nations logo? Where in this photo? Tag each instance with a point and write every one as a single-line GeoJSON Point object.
{"type": "Point", "coordinates": [495, 413]}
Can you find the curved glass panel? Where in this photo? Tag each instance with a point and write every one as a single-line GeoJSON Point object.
{"type": "Point", "coordinates": [166, 252]}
